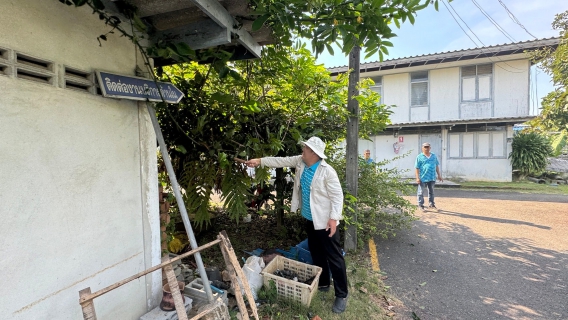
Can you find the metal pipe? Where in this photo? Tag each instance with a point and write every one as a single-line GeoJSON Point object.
{"type": "Point", "coordinates": [179, 200]}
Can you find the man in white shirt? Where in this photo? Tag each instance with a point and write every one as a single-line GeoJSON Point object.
{"type": "Point", "coordinates": [317, 191]}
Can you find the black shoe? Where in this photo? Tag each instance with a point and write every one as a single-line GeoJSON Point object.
{"type": "Point", "coordinates": [432, 207]}
{"type": "Point", "coordinates": [324, 288]}
{"type": "Point", "coordinates": [339, 305]}
{"type": "Point", "coordinates": [422, 208]}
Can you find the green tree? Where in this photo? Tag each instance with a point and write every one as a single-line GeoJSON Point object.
{"type": "Point", "coordinates": [554, 114]}
{"type": "Point", "coordinates": [253, 109]}
{"type": "Point", "coordinates": [364, 23]}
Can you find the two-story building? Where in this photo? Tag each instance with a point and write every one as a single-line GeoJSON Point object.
{"type": "Point", "coordinates": [464, 103]}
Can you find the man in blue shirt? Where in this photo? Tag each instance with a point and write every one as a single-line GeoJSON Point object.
{"type": "Point", "coordinates": [368, 158]}
{"type": "Point", "coordinates": [427, 167]}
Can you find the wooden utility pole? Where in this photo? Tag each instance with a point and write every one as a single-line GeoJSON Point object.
{"type": "Point", "coordinates": [352, 153]}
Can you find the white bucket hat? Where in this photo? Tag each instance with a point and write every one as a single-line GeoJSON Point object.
{"type": "Point", "coordinates": [316, 145]}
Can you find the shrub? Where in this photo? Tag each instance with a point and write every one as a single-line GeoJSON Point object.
{"type": "Point", "coordinates": [530, 153]}
{"type": "Point", "coordinates": [381, 208]}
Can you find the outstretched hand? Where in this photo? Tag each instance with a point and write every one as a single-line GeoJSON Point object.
{"type": "Point", "coordinates": [253, 163]}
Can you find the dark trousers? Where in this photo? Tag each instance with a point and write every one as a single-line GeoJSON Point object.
{"type": "Point", "coordinates": [326, 254]}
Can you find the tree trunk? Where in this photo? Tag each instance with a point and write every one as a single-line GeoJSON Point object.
{"type": "Point", "coordinates": [352, 165]}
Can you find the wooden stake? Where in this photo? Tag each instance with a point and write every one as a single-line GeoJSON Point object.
{"type": "Point", "coordinates": [87, 307]}
{"type": "Point", "coordinates": [231, 260]}
{"type": "Point", "coordinates": [234, 282]}
{"type": "Point", "coordinates": [179, 300]}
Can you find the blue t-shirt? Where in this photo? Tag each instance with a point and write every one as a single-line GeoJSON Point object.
{"type": "Point", "coordinates": [427, 167]}
{"type": "Point", "coordinates": [306, 182]}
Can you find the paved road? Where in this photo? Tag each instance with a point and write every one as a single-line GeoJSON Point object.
{"type": "Point", "coordinates": [482, 259]}
{"type": "Point", "coordinates": [518, 196]}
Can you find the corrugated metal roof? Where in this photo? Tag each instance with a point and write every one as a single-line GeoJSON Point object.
{"type": "Point", "coordinates": [461, 121]}
{"type": "Point", "coordinates": [452, 56]}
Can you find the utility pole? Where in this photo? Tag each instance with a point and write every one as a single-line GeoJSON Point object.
{"type": "Point", "coordinates": [352, 153]}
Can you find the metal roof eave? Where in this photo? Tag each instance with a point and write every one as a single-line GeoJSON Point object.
{"type": "Point", "coordinates": [453, 56]}
{"type": "Point", "coordinates": [459, 121]}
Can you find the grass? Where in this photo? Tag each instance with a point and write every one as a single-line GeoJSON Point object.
{"type": "Point", "coordinates": [368, 297]}
{"type": "Point", "coordinates": [516, 186]}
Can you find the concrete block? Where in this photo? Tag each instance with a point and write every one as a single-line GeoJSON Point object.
{"type": "Point", "coordinates": [159, 314]}
{"type": "Point", "coordinates": [196, 292]}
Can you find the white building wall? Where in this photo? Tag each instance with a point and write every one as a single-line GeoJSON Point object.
{"type": "Point", "coordinates": [444, 94]}
{"type": "Point", "coordinates": [396, 91]}
{"type": "Point", "coordinates": [384, 150]}
{"type": "Point", "coordinates": [79, 205]}
{"type": "Point", "coordinates": [477, 169]}
{"type": "Point", "coordinates": [498, 170]}
{"type": "Point", "coordinates": [511, 82]}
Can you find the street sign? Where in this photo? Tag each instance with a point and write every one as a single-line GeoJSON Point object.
{"type": "Point", "coordinates": [134, 88]}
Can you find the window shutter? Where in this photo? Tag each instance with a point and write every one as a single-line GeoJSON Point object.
{"type": "Point", "coordinates": [378, 80]}
{"type": "Point", "coordinates": [468, 71]}
{"type": "Point", "coordinates": [419, 76]}
{"type": "Point", "coordinates": [419, 94]}
{"type": "Point", "coordinates": [484, 69]}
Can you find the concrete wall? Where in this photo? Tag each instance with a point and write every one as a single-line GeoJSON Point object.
{"type": "Point", "coordinates": [511, 88]}
{"type": "Point", "coordinates": [79, 193]}
{"type": "Point", "coordinates": [444, 94]}
{"type": "Point", "coordinates": [396, 91]}
{"type": "Point", "coordinates": [384, 150]}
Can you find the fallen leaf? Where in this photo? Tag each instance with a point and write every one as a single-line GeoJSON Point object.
{"type": "Point", "coordinates": [423, 284]}
{"type": "Point", "coordinates": [434, 270]}
{"type": "Point", "coordinates": [362, 289]}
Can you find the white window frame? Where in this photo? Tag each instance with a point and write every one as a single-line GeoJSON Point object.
{"type": "Point", "coordinates": [378, 87]}
{"type": "Point", "coordinates": [427, 81]}
{"type": "Point", "coordinates": [476, 78]}
{"type": "Point", "coordinates": [475, 155]}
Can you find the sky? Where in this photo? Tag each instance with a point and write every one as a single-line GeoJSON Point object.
{"type": "Point", "coordinates": [436, 31]}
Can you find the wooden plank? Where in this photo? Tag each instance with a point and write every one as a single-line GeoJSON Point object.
{"type": "Point", "coordinates": [239, 272]}
{"type": "Point", "coordinates": [99, 293]}
{"type": "Point", "coordinates": [206, 311]}
{"type": "Point", "coordinates": [205, 34]}
{"type": "Point", "coordinates": [234, 281]}
{"type": "Point", "coordinates": [219, 14]}
{"type": "Point", "coordinates": [179, 300]}
{"type": "Point", "coordinates": [88, 307]}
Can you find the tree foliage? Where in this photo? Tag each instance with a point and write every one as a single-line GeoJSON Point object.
{"type": "Point", "coordinates": [554, 114]}
{"type": "Point", "coordinates": [381, 210]}
{"type": "Point", "coordinates": [364, 23]}
{"type": "Point", "coordinates": [253, 109]}
{"type": "Point", "coordinates": [530, 152]}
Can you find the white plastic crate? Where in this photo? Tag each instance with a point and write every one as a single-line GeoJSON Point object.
{"type": "Point", "coordinates": [291, 289]}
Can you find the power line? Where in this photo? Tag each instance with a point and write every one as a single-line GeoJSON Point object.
{"type": "Point", "coordinates": [515, 20]}
{"type": "Point", "coordinates": [520, 70]}
{"type": "Point", "coordinates": [493, 21]}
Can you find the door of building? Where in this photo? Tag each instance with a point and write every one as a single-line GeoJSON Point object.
{"type": "Point", "coordinates": [435, 140]}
